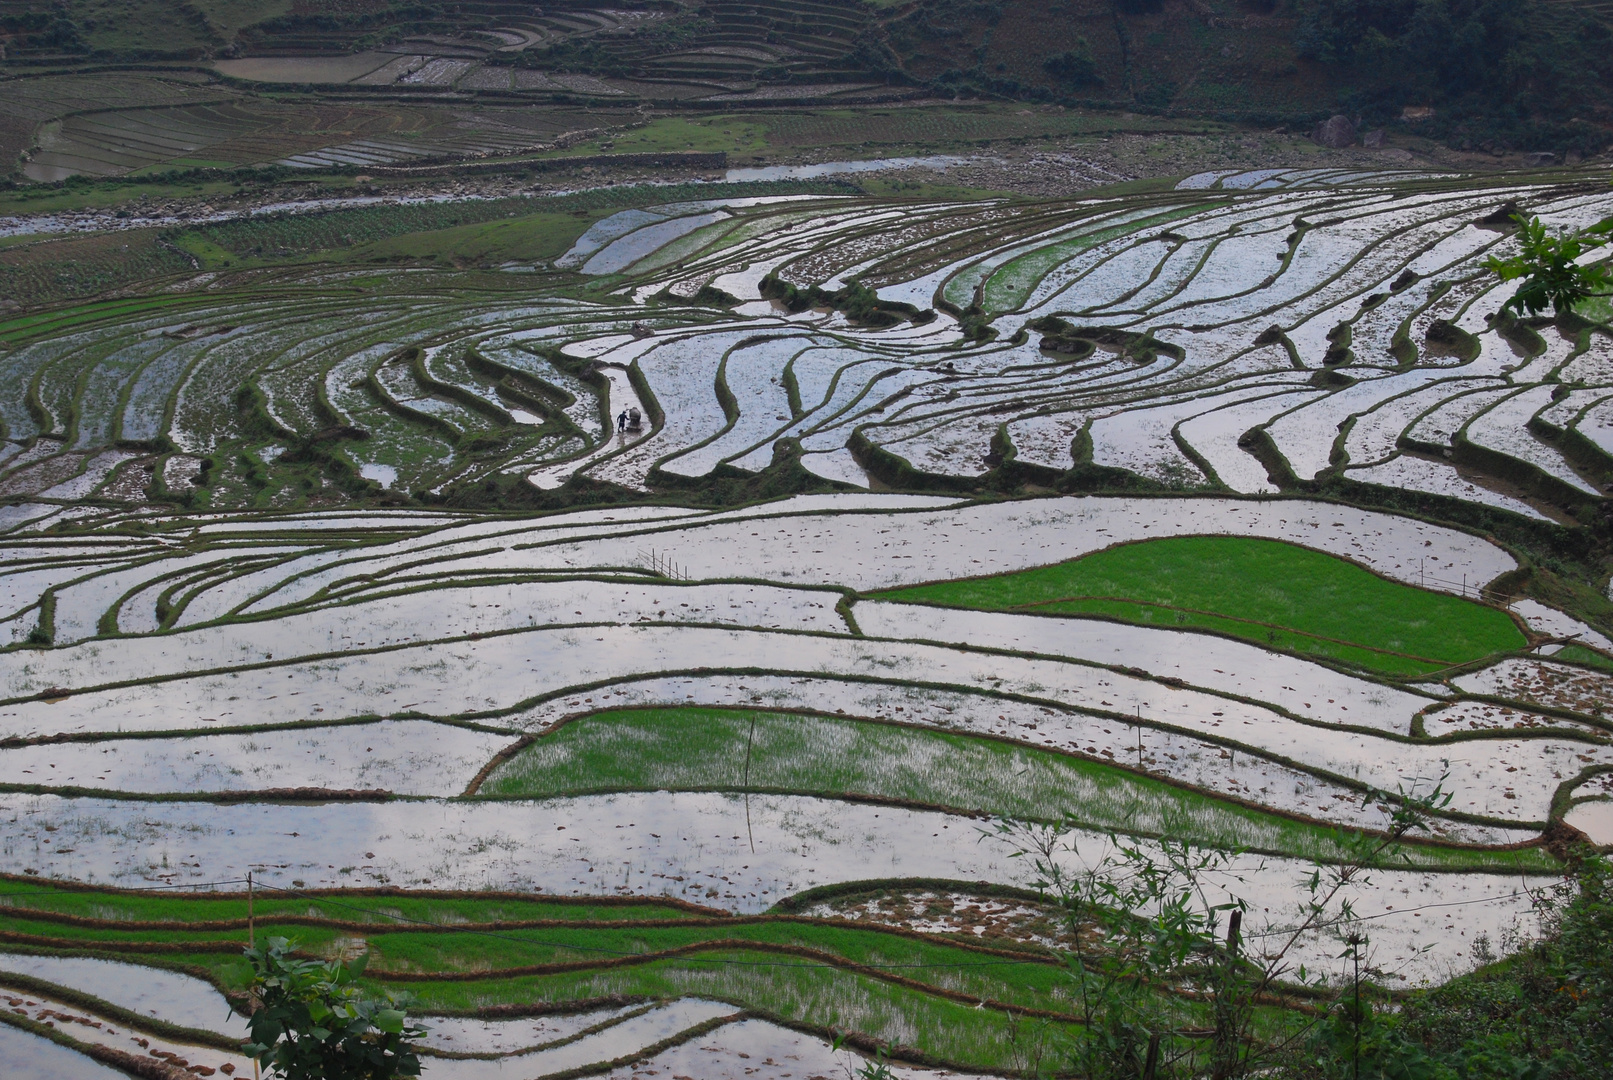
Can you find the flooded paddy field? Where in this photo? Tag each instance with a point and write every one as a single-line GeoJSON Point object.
{"type": "Point", "coordinates": [1230, 514]}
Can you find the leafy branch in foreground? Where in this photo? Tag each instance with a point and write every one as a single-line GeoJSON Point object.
{"type": "Point", "coordinates": [313, 1022]}
{"type": "Point", "coordinates": [1161, 977]}
{"type": "Point", "coordinates": [1549, 267]}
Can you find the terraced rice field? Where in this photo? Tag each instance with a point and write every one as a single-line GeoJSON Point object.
{"type": "Point", "coordinates": [233, 130]}
{"type": "Point", "coordinates": [1197, 341]}
{"type": "Point", "coordinates": [649, 779]}
{"type": "Point", "coordinates": [708, 51]}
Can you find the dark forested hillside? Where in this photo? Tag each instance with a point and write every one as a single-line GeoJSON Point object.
{"type": "Point", "coordinates": [1493, 72]}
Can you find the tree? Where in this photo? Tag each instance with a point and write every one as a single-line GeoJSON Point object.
{"type": "Point", "coordinates": [1073, 67]}
{"type": "Point", "coordinates": [1549, 267]}
{"type": "Point", "coordinates": [313, 1022]}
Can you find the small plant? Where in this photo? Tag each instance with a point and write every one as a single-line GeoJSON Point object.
{"type": "Point", "coordinates": [877, 1069]}
{"type": "Point", "coordinates": [313, 1022]}
{"type": "Point", "coordinates": [1549, 267]}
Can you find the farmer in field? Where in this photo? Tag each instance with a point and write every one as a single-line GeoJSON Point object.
{"type": "Point", "coordinates": [621, 422]}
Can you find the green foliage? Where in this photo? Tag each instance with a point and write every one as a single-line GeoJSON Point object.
{"type": "Point", "coordinates": [1583, 655]}
{"type": "Point", "coordinates": [283, 235]}
{"type": "Point", "coordinates": [1361, 1041]}
{"type": "Point", "coordinates": [570, 55]}
{"type": "Point", "coordinates": [313, 1022]}
{"type": "Point", "coordinates": [1266, 591]}
{"type": "Point", "coordinates": [885, 986]}
{"type": "Point", "coordinates": [877, 1068]}
{"type": "Point", "coordinates": [1073, 68]}
{"type": "Point", "coordinates": [1492, 57]}
{"type": "Point", "coordinates": [1547, 1010]}
{"type": "Point", "coordinates": [1549, 268]}
{"type": "Point", "coordinates": [360, 24]}
{"type": "Point", "coordinates": [72, 270]}
{"type": "Point", "coordinates": [861, 304]}
{"type": "Point", "coordinates": [44, 31]}
{"type": "Point", "coordinates": [177, 909]}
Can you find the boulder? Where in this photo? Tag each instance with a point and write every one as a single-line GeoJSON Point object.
{"type": "Point", "coordinates": [1373, 139]}
{"type": "Point", "coordinates": [1336, 132]}
{"type": "Point", "coordinates": [1540, 157]}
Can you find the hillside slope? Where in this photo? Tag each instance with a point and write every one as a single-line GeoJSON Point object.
{"type": "Point", "coordinates": [1528, 74]}
{"type": "Point", "coordinates": [1507, 71]}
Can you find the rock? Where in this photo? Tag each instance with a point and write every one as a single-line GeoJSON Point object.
{"type": "Point", "coordinates": [1336, 132]}
{"type": "Point", "coordinates": [1373, 139]}
{"type": "Point", "coordinates": [1540, 157]}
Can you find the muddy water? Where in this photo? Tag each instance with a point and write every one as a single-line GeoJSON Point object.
{"type": "Point", "coordinates": [166, 995]}
{"type": "Point", "coordinates": [32, 1057]}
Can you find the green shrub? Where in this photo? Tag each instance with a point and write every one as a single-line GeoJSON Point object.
{"type": "Point", "coordinates": [314, 1023]}
{"type": "Point", "coordinates": [1546, 1011]}
{"type": "Point", "coordinates": [1549, 268]}
{"type": "Point", "coordinates": [1073, 68]}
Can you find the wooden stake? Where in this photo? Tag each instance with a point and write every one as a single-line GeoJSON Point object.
{"type": "Point", "coordinates": [1139, 735]}
{"type": "Point", "coordinates": [748, 741]}
{"type": "Point", "coordinates": [251, 942]}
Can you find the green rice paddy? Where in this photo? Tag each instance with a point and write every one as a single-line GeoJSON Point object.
{"type": "Point", "coordinates": [1266, 591]}
{"type": "Point", "coordinates": [803, 971]}
{"type": "Point", "coordinates": [1580, 654]}
{"type": "Point", "coordinates": [696, 749]}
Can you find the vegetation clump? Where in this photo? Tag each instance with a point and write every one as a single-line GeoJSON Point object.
{"type": "Point", "coordinates": [861, 304]}
{"type": "Point", "coordinates": [1549, 267]}
{"type": "Point", "coordinates": [1542, 1012]}
{"type": "Point", "coordinates": [313, 1021]}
